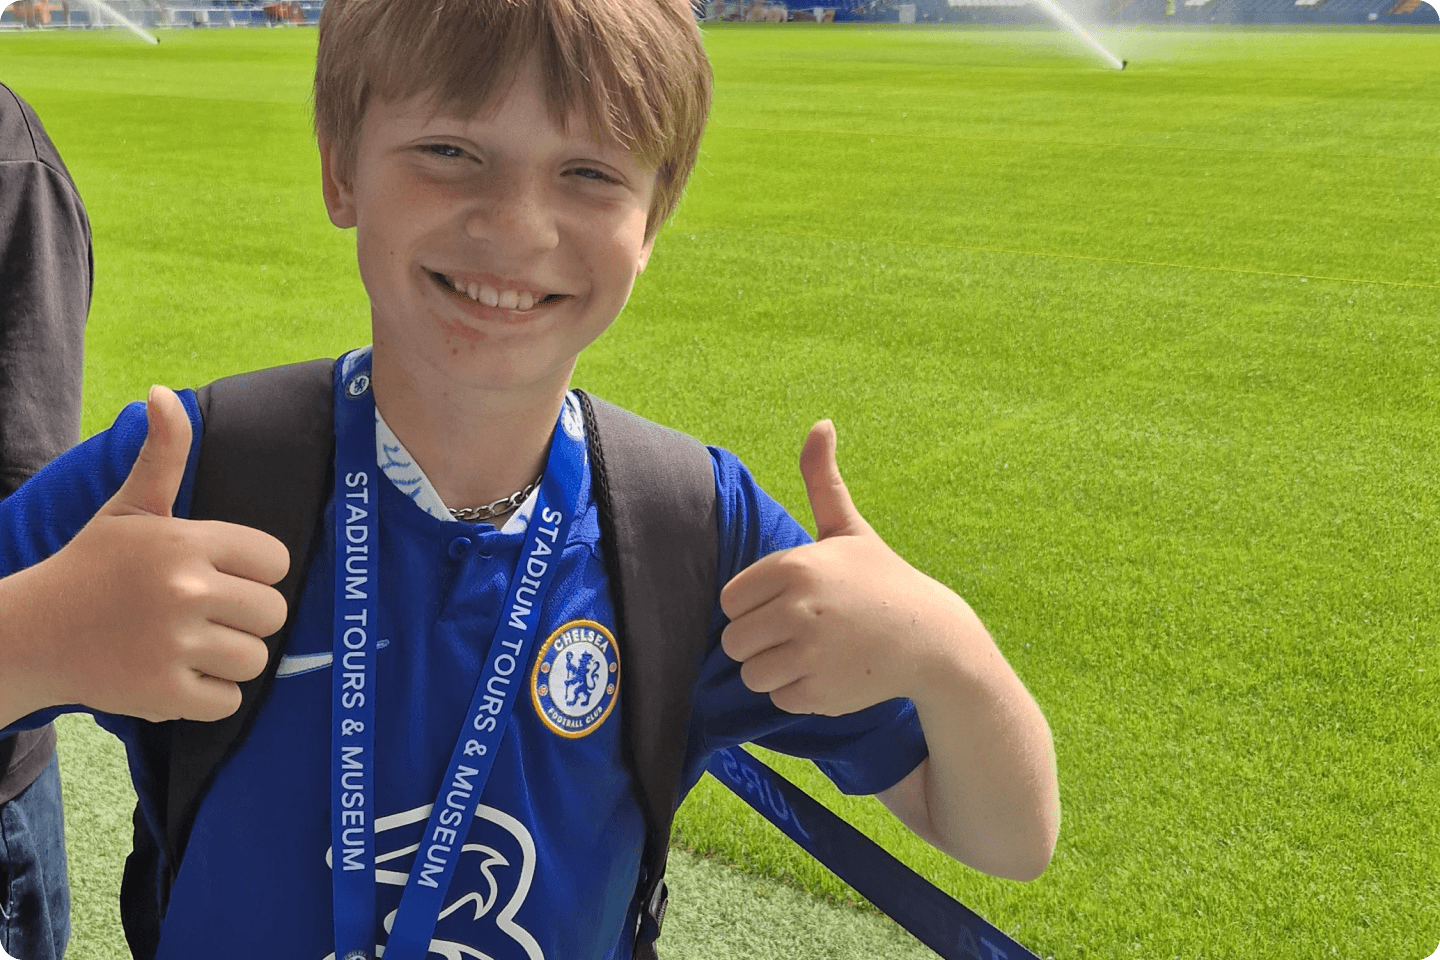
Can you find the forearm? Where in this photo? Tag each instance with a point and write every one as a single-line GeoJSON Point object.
{"type": "Point", "coordinates": [25, 680]}
{"type": "Point", "coordinates": [988, 794]}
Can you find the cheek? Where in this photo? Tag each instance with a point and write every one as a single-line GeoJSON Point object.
{"type": "Point", "coordinates": [614, 271]}
{"type": "Point", "coordinates": [372, 256]}
{"type": "Point", "coordinates": [380, 238]}
{"type": "Point", "coordinates": [622, 251]}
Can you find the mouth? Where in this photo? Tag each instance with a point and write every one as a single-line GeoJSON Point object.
{"type": "Point", "coordinates": [484, 294]}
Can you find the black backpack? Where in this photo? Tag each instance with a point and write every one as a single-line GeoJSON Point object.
{"type": "Point", "coordinates": [655, 489]}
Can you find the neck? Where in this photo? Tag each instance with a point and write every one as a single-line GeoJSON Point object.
{"type": "Point", "coordinates": [475, 446]}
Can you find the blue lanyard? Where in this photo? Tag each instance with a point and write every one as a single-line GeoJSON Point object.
{"type": "Point", "coordinates": [353, 715]}
{"type": "Point", "coordinates": [352, 732]}
{"type": "Point", "coordinates": [931, 915]}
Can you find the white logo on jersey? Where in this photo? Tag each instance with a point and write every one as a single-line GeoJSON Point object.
{"type": "Point", "coordinates": [492, 862]}
{"type": "Point", "coordinates": [571, 418]}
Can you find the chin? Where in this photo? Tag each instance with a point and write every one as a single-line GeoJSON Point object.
{"type": "Point", "coordinates": [498, 370]}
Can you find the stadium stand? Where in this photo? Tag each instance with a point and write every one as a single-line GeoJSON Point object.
{"type": "Point", "coordinates": [149, 14]}
{"type": "Point", "coordinates": [1282, 12]}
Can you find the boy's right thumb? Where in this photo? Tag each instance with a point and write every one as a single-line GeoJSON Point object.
{"type": "Point", "coordinates": [154, 480]}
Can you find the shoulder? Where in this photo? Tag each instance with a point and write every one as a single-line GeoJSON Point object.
{"type": "Point", "coordinates": [23, 137]}
{"type": "Point", "coordinates": [17, 122]}
{"type": "Point", "coordinates": [666, 465]}
{"type": "Point", "coordinates": [752, 523]}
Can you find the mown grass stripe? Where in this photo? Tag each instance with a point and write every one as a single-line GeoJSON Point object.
{"type": "Point", "coordinates": [1051, 142]}
{"type": "Point", "coordinates": [1053, 255]}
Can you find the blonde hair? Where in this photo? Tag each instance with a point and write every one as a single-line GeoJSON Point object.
{"type": "Point", "coordinates": [633, 69]}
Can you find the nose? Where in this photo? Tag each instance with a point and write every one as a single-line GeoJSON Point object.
{"type": "Point", "coordinates": [514, 213]}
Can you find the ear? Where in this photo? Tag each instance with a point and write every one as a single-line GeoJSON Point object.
{"type": "Point", "coordinates": [644, 256]}
{"type": "Point", "coordinates": [339, 195]}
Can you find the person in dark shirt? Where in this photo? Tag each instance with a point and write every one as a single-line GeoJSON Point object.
{"type": "Point", "coordinates": [46, 277]}
{"type": "Point", "coordinates": [126, 585]}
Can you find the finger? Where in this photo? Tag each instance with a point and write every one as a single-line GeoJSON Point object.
{"type": "Point", "coordinates": [754, 633]}
{"type": "Point", "coordinates": [830, 504]}
{"type": "Point", "coordinates": [756, 585]}
{"type": "Point", "coordinates": [209, 698]}
{"type": "Point", "coordinates": [155, 478]}
{"type": "Point", "coordinates": [772, 669]}
{"type": "Point", "coordinates": [797, 697]}
{"type": "Point", "coordinates": [247, 606]}
{"type": "Point", "coordinates": [243, 551]}
{"type": "Point", "coordinates": [227, 654]}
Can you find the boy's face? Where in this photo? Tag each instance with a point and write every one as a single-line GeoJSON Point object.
{"type": "Point", "coordinates": [542, 231]}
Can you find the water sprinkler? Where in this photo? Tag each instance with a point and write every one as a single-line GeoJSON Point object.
{"type": "Point", "coordinates": [1124, 64]}
{"type": "Point", "coordinates": [1062, 16]}
{"type": "Point", "coordinates": [99, 9]}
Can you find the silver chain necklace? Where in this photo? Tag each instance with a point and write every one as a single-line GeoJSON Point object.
{"type": "Point", "coordinates": [498, 508]}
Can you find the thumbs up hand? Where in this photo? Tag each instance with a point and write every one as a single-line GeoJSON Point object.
{"type": "Point", "coordinates": [843, 623]}
{"type": "Point", "coordinates": [143, 613]}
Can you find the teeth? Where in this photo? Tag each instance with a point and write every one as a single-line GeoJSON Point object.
{"type": "Point", "coordinates": [505, 299]}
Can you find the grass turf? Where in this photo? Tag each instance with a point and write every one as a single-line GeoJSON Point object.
{"type": "Point", "coordinates": [1143, 364]}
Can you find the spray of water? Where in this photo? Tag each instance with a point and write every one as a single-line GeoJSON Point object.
{"type": "Point", "coordinates": [1070, 23]}
{"type": "Point", "coordinates": [98, 7]}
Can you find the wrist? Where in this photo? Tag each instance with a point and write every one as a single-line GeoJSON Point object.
{"type": "Point", "coordinates": [957, 657]}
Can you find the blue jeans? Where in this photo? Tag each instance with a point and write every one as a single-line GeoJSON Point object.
{"type": "Point", "coordinates": [34, 894]}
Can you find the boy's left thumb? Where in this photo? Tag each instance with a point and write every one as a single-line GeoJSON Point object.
{"type": "Point", "coordinates": [830, 503]}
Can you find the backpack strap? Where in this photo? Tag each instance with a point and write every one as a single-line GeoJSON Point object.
{"type": "Point", "coordinates": [655, 489]}
{"type": "Point", "coordinates": [265, 461]}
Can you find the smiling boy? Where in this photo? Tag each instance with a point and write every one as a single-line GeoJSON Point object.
{"type": "Point", "coordinates": [506, 165]}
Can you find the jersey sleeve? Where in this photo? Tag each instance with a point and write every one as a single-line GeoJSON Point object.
{"type": "Point", "coordinates": [864, 752]}
{"type": "Point", "coordinates": [47, 512]}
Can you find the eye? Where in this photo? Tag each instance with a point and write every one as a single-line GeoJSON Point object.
{"type": "Point", "coordinates": [590, 173]}
{"type": "Point", "coordinates": [447, 150]}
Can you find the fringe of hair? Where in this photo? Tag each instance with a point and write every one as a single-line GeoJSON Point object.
{"type": "Point", "coordinates": [633, 70]}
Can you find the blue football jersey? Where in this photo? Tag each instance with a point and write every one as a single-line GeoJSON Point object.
{"type": "Point", "coordinates": [549, 860]}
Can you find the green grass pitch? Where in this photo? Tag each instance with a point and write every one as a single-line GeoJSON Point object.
{"type": "Point", "coordinates": [1143, 364]}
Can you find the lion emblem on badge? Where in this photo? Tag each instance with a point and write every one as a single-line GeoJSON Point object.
{"type": "Point", "coordinates": [575, 678]}
{"type": "Point", "coordinates": [580, 682]}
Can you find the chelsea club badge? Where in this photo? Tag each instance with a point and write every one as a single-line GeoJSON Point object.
{"type": "Point", "coordinates": [575, 678]}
